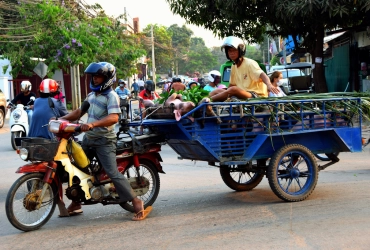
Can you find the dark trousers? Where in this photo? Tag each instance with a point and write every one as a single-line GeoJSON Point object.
{"type": "Point", "coordinates": [105, 150]}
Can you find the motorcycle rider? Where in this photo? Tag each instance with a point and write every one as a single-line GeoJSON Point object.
{"type": "Point", "coordinates": [214, 78]}
{"type": "Point", "coordinates": [25, 98]}
{"type": "Point", "coordinates": [42, 111]}
{"type": "Point", "coordinates": [99, 138]}
{"type": "Point", "coordinates": [124, 94]}
{"type": "Point", "coordinates": [247, 79]}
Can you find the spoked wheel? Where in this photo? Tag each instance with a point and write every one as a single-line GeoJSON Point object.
{"type": "Point", "coordinates": [147, 187]}
{"type": "Point", "coordinates": [325, 157]}
{"type": "Point", "coordinates": [293, 173]}
{"type": "Point", "coordinates": [14, 135]}
{"type": "Point", "coordinates": [238, 178]}
{"type": "Point", "coordinates": [22, 207]}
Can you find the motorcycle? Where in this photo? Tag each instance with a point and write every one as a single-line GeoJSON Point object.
{"type": "Point", "coordinates": [124, 106]}
{"type": "Point", "coordinates": [18, 122]}
{"type": "Point", "coordinates": [33, 197]}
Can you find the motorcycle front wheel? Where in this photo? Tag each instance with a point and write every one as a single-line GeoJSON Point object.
{"type": "Point", "coordinates": [21, 202]}
{"type": "Point", "coordinates": [146, 187]}
{"type": "Point", "coordinates": [14, 135]}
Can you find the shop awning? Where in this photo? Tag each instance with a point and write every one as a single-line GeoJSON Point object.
{"type": "Point", "coordinates": [333, 36]}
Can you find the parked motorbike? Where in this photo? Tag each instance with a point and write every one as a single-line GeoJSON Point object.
{"type": "Point", "coordinates": [18, 122]}
{"type": "Point", "coordinates": [32, 198]}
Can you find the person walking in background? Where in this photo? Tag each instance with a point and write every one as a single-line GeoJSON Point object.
{"type": "Point", "coordinates": [135, 86]}
{"type": "Point", "coordinates": [166, 85]}
{"type": "Point", "coordinates": [141, 84]}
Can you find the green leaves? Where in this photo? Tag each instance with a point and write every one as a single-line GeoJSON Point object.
{"type": "Point", "coordinates": [64, 37]}
{"type": "Point", "coordinates": [195, 95]}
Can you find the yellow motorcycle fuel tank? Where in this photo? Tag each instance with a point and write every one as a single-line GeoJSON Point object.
{"type": "Point", "coordinates": [78, 154]}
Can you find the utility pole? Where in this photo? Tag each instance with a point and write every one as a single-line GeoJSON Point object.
{"type": "Point", "coordinates": [153, 60]}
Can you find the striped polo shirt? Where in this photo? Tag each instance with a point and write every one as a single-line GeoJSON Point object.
{"type": "Point", "coordinates": [107, 102]}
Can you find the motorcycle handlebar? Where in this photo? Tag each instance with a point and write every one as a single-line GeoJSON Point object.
{"type": "Point", "coordinates": [78, 129]}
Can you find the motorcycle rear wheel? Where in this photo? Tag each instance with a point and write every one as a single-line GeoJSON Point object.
{"type": "Point", "coordinates": [149, 172]}
{"type": "Point", "coordinates": [21, 206]}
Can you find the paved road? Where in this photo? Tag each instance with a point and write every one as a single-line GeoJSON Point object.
{"type": "Point", "coordinates": [196, 210]}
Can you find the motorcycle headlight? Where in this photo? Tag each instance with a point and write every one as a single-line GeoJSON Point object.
{"type": "Point", "coordinates": [55, 126]}
{"type": "Point", "coordinates": [17, 114]}
{"type": "Point", "coordinates": [23, 153]}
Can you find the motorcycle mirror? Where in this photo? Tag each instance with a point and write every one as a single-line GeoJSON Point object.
{"type": "Point", "coordinates": [84, 107]}
{"type": "Point", "coordinates": [32, 98]}
{"type": "Point", "coordinates": [51, 105]}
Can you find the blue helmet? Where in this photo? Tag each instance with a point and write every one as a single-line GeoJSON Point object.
{"type": "Point", "coordinates": [105, 69]}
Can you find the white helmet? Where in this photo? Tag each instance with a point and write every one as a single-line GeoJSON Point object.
{"type": "Point", "coordinates": [212, 75]}
{"type": "Point", "coordinates": [26, 86]}
{"type": "Point", "coordinates": [235, 42]}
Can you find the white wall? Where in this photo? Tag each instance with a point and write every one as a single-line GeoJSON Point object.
{"type": "Point", "coordinates": [363, 39]}
{"type": "Point", "coordinates": [6, 85]}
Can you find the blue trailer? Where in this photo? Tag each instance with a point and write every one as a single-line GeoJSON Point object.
{"type": "Point", "coordinates": [277, 138]}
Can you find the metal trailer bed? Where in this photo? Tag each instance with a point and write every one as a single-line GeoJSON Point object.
{"type": "Point", "coordinates": [251, 139]}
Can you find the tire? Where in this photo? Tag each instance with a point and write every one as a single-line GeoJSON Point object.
{"type": "Point", "coordinates": [14, 135]}
{"type": "Point", "coordinates": [2, 118]}
{"type": "Point", "coordinates": [150, 173]}
{"type": "Point", "coordinates": [293, 173]}
{"type": "Point", "coordinates": [240, 180]}
{"type": "Point", "coordinates": [24, 216]}
{"type": "Point", "coordinates": [123, 115]}
{"type": "Point", "coordinates": [324, 157]}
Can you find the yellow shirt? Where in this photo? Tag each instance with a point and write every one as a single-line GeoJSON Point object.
{"type": "Point", "coordinates": [247, 77]}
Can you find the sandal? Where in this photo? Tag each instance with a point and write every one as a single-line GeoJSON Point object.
{"type": "Point", "coordinates": [144, 213]}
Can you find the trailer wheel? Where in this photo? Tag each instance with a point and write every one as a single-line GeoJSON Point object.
{"type": "Point", "coordinates": [293, 172]}
{"type": "Point", "coordinates": [239, 179]}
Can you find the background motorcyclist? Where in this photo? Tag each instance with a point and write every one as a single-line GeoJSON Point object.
{"type": "Point", "coordinates": [124, 94]}
{"type": "Point", "coordinates": [42, 111]}
{"type": "Point", "coordinates": [100, 138]}
{"type": "Point", "coordinates": [25, 98]}
{"type": "Point", "coordinates": [214, 78]}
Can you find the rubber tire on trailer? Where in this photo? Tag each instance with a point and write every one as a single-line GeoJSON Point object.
{"type": "Point", "coordinates": [312, 172]}
{"type": "Point", "coordinates": [324, 157]}
{"type": "Point", "coordinates": [2, 118]}
{"type": "Point", "coordinates": [228, 179]}
{"type": "Point", "coordinates": [154, 174]}
{"type": "Point", "coordinates": [9, 204]}
{"type": "Point", "coordinates": [14, 135]}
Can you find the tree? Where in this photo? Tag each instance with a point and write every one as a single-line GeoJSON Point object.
{"type": "Point", "coordinates": [249, 19]}
{"type": "Point", "coordinates": [219, 56]}
{"type": "Point", "coordinates": [198, 59]}
{"type": "Point", "coordinates": [162, 46]}
{"type": "Point", "coordinates": [180, 42]}
{"type": "Point", "coordinates": [64, 38]}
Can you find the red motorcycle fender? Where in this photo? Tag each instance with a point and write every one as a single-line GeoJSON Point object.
{"type": "Point", "coordinates": [33, 167]}
{"type": "Point", "coordinates": [42, 167]}
{"type": "Point", "coordinates": [155, 158]}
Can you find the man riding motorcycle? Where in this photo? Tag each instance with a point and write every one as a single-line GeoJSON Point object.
{"type": "Point", "coordinates": [100, 138]}
{"type": "Point", "coordinates": [124, 94]}
{"type": "Point", "coordinates": [25, 98]}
